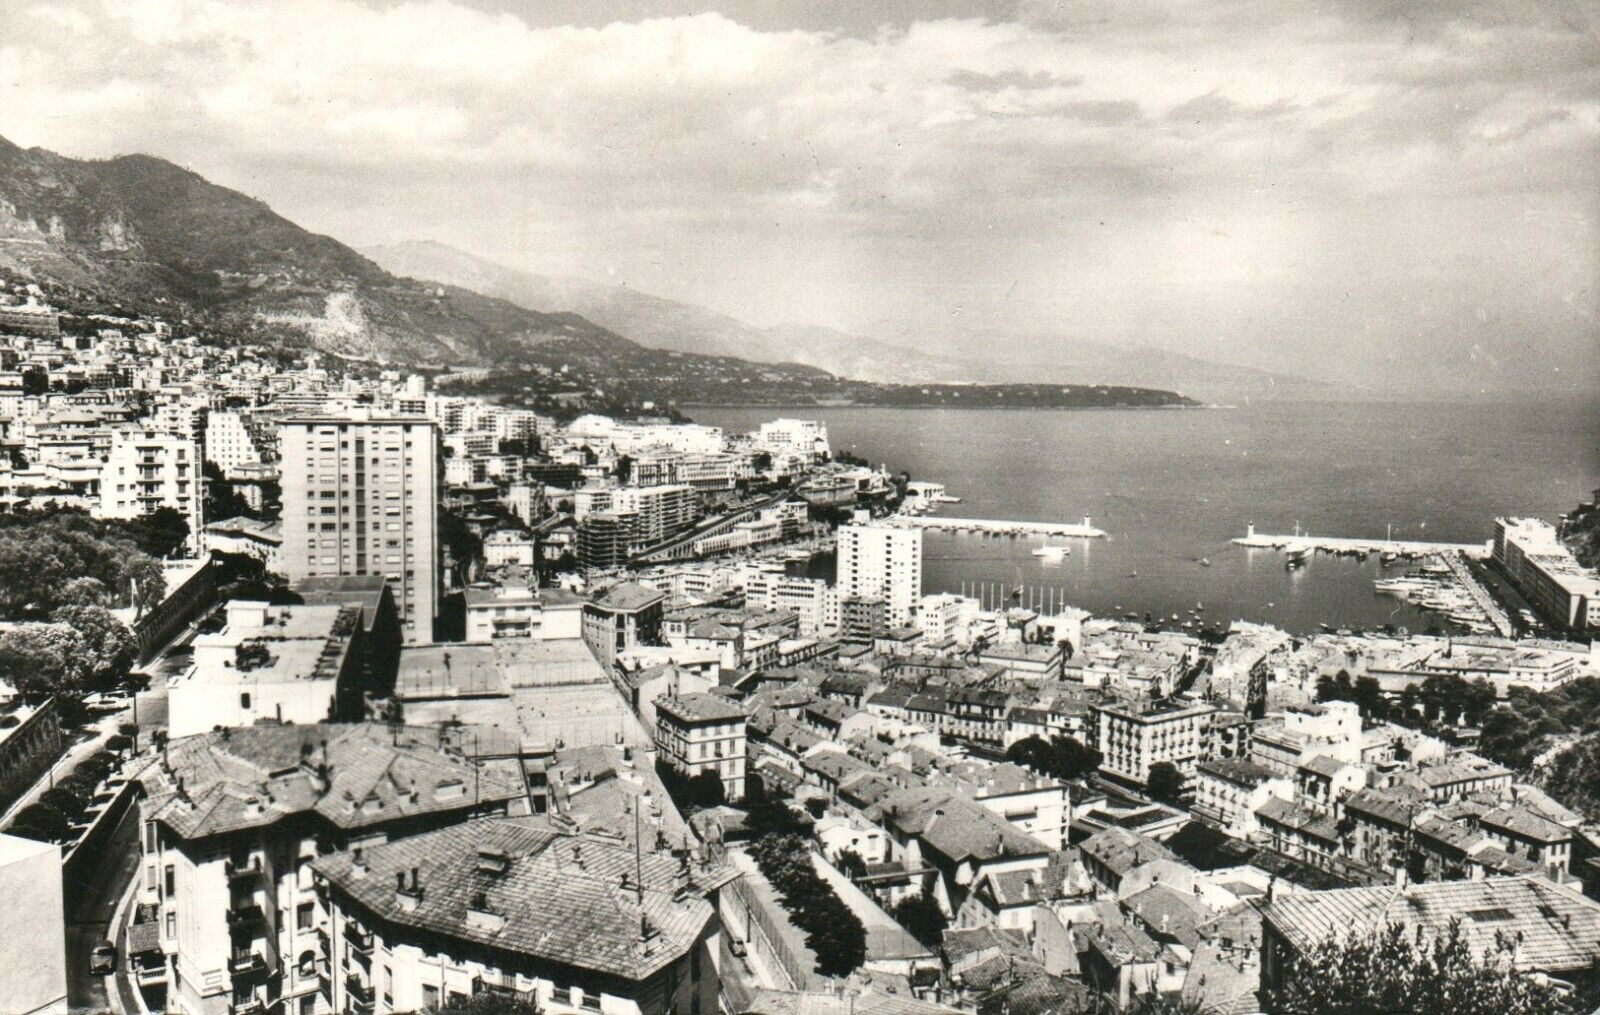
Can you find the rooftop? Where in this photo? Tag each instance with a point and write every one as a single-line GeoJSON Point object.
{"type": "Point", "coordinates": [520, 886]}
{"type": "Point", "coordinates": [351, 775]}
{"type": "Point", "coordinates": [700, 707]}
{"type": "Point", "coordinates": [1557, 930]}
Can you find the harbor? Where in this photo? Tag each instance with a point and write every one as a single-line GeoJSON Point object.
{"type": "Point", "coordinates": [1305, 543]}
{"type": "Point", "coordinates": [996, 527]}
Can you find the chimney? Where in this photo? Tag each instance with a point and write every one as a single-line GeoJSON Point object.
{"type": "Point", "coordinates": [1402, 877]}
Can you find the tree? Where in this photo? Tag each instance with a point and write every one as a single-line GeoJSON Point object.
{"type": "Point", "coordinates": [832, 931]}
{"type": "Point", "coordinates": [921, 916]}
{"type": "Point", "coordinates": [1061, 757]}
{"type": "Point", "coordinates": [1394, 971]}
{"type": "Point", "coordinates": [487, 1002]}
{"type": "Point", "coordinates": [1165, 783]}
{"type": "Point", "coordinates": [44, 660]}
{"type": "Point", "coordinates": [850, 864]}
{"type": "Point", "coordinates": [112, 650]}
{"type": "Point", "coordinates": [161, 533]}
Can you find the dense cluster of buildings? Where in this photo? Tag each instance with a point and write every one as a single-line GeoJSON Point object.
{"type": "Point", "coordinates": [435, 761]}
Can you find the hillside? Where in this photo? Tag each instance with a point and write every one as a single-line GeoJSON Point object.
{"type": "Point", "coordinates": [670, 324]}
{"type": "Point", "coordinates": [143, 234]}
{"type": "Point", "coordinates": [156, 237]}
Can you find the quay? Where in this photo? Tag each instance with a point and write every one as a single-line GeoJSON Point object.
{"type": "Point", "coordinates": [999, 527]}
{"type": "Point", "coordinates": [1480, 595]}
{"type": "Point", "coordinates": [1340, 544]}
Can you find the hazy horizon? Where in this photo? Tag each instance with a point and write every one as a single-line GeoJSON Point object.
{"type": "Point", "coordinates": [1397, 198]}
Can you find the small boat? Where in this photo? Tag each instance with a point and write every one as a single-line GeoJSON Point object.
{"type": "Point", "coordinates": [1050, 552]}
{"type": "Point", "coordinates": [1133, 574]}
{"type": "Point", "coordinates": [1205, 562]}
{"type": "Point", "coordinates": [1389, 558]}
{"type": "Point", "coordinates": [1297, 558]}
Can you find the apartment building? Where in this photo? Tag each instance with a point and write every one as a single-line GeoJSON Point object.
{"type": "Point", "coordinates": [882, 562]}
{"type": "Point", "coordinates": [812, 600]}
{"type": "Point", "coordinates": [146, 469]}
{"type": "Point", "coordinates": [1135, 735]}
{"type": "Point", "coordinates": [700, 732]}
{"type": "Point", "coordinates": [33, 930]}
{"type": "Point", "coordinates": [572, 923]}
{"type": "Point", "coordinates": [230, 442]}
{"type": "Point", "coordinates": [520, 611]}
{"type": "Point", "coordinates": [361, 496]}
{"type": "Point", "coordinates": [1531, 554]}
{"type": "Point", "coordinates": [231, 822]}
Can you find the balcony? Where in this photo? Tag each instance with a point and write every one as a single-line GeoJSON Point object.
{"type": "Point", "coordinates": [245, 916]}
{"type": "Point", "coordinates": [254, 1006]}
{"type": "Point", "coordinates": [360, 993]}
{"type": "Point", "coordinates": [360, 941]}
{"type": "Point", "coordinates": [247, 870]}
{"type": "Point", "coordinates": [249, 963]}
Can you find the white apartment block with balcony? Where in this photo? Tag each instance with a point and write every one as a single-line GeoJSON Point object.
{"type": "Point", "coordinates": [1136, 735]}
{"type": "Point", "coordinates": [805, 437]}
{"type": "Point", "coordinates": [148, 469]}
{"type": "Point", "coordinates": [361, 496]}
{"type": "Point", "coordinates": [882, 562]}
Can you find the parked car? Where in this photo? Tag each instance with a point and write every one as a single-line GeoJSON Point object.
{"type": "Point", "coordinates": [103, 960]}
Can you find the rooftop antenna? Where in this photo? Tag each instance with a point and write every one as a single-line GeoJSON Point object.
{"type": "Point", "coordinates": [638, 856]}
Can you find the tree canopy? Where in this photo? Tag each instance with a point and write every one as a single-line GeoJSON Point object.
{"type": "Point", "coordinates": [1394, 971]}
{"type": "Point", "coordinates": [1060, 757]}
{"type": "Point", "coordinates": [53, 559]}
{"type": "Point", "coordinates": [1165, 782]}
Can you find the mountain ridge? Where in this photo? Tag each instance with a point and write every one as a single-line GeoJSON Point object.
{"type": "Point", "coordinates": [674, 324]}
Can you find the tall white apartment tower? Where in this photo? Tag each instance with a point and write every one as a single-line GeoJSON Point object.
{"type": "Point", "coordinates": [147, 469]}
{"type": "Point", "coordinates": [882, 562]}
{"type": "Point", "coordinates": [361, 496]}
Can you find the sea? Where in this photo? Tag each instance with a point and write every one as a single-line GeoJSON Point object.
{"type": "Point", "coordinates": [1172, 488]}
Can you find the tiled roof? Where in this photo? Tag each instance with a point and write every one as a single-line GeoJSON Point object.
{"type": "Point", "coordinates": [956, 827]}
{"type": "Point", "coordinates": [627, 597]}
{"type": "Point", "coordinates": [1323, 765]}
{"type": "Point", "coordinates": [1166, 911]}
{"type": "Point", "coordinates": [1121, 850]}
{"type": "Point", "coordinates": [850, 1002]}
{"type": "Point", "coordinates": [1239, 771]}
{"type": "Point", "coordinates": [1390, 805]}
{"type": "Point", "coordinates": [700, 707]}
{"type": "Point", "coordinates": [1524, 824]}
{"type": "Point", "coordinates": [1558, 929]}
{"type": "Point", "coordinates": [353, 776]}
{"type": "Point", "coordinates": [1301, 819]}
{"type": "Point", "coordinates": [563, 898]}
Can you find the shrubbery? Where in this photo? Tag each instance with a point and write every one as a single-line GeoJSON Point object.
{"type": "Point", "coordinates": [832, 931]}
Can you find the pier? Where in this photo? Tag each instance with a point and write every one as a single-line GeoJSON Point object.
{"type": "Point", "coordinates": [1340, 544]}
{"type": "Point", "coordinates": [1480, 595]}
{"type": "Point", "coordinates": [994, 527]}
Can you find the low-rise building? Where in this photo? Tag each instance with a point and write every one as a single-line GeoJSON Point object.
{"type": "Point", "coordinates": [299, 664]}
{"type": "Point", "coordinates": [33, 928]}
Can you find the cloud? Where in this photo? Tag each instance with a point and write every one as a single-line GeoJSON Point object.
{"type": "Point", "coordinates": [799, 172]}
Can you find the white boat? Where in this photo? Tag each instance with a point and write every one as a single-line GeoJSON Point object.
{"type": "Point", "coordinates": [1051, 552]}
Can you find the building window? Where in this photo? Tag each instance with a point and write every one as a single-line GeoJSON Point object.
{"type": "Point", "coordinates": [170, 881]}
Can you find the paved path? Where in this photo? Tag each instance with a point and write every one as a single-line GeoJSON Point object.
{"type": "Point", "coordinates": [92, 902]}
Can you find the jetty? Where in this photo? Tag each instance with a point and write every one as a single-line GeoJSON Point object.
{"type": "Point", "coordinates": [1344, 545]}
{"type": "Point", "coordinates": [1480, 595]}
{"type": "Point", "coordinates": [1000, 527]}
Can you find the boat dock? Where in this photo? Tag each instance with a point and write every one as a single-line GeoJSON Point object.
{"type": "Point", "coordinates": [1340, 544]}
{"type": "Point", "coordinates": [1480, 595]}
{"type": "Point", "coordinates": [995, 527]}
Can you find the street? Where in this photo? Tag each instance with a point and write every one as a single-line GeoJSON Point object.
{"type": "Point", "coordinates": [90, 905]}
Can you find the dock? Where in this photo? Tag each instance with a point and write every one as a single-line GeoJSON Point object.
{"type": "Point", "coordinates": [998, 527]}
{"type": "Point", "coordinates": [1342, 544]}
{"type": "Point", "coordinates": [1480, 595]}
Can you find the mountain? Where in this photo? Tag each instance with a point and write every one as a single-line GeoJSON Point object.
{"type": "Point", "coordinates": [156, 237]}
{"type": "Point", "coordinates": [141, 234]}
{"type": "Point", "coordinates": [670, 324]}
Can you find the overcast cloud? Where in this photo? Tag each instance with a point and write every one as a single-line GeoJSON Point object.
{"type": "Point", "coordinates": [1376, 189]}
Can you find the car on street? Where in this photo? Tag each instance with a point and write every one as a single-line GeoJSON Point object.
{"type": "Point", "coordinates": [103, 960]}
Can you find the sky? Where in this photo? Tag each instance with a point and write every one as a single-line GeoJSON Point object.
{"type": "Point", "coordinates": [1385, 193]}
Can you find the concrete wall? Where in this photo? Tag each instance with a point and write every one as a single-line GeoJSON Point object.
{"type": "Point", "coordinates": [33, 933]}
